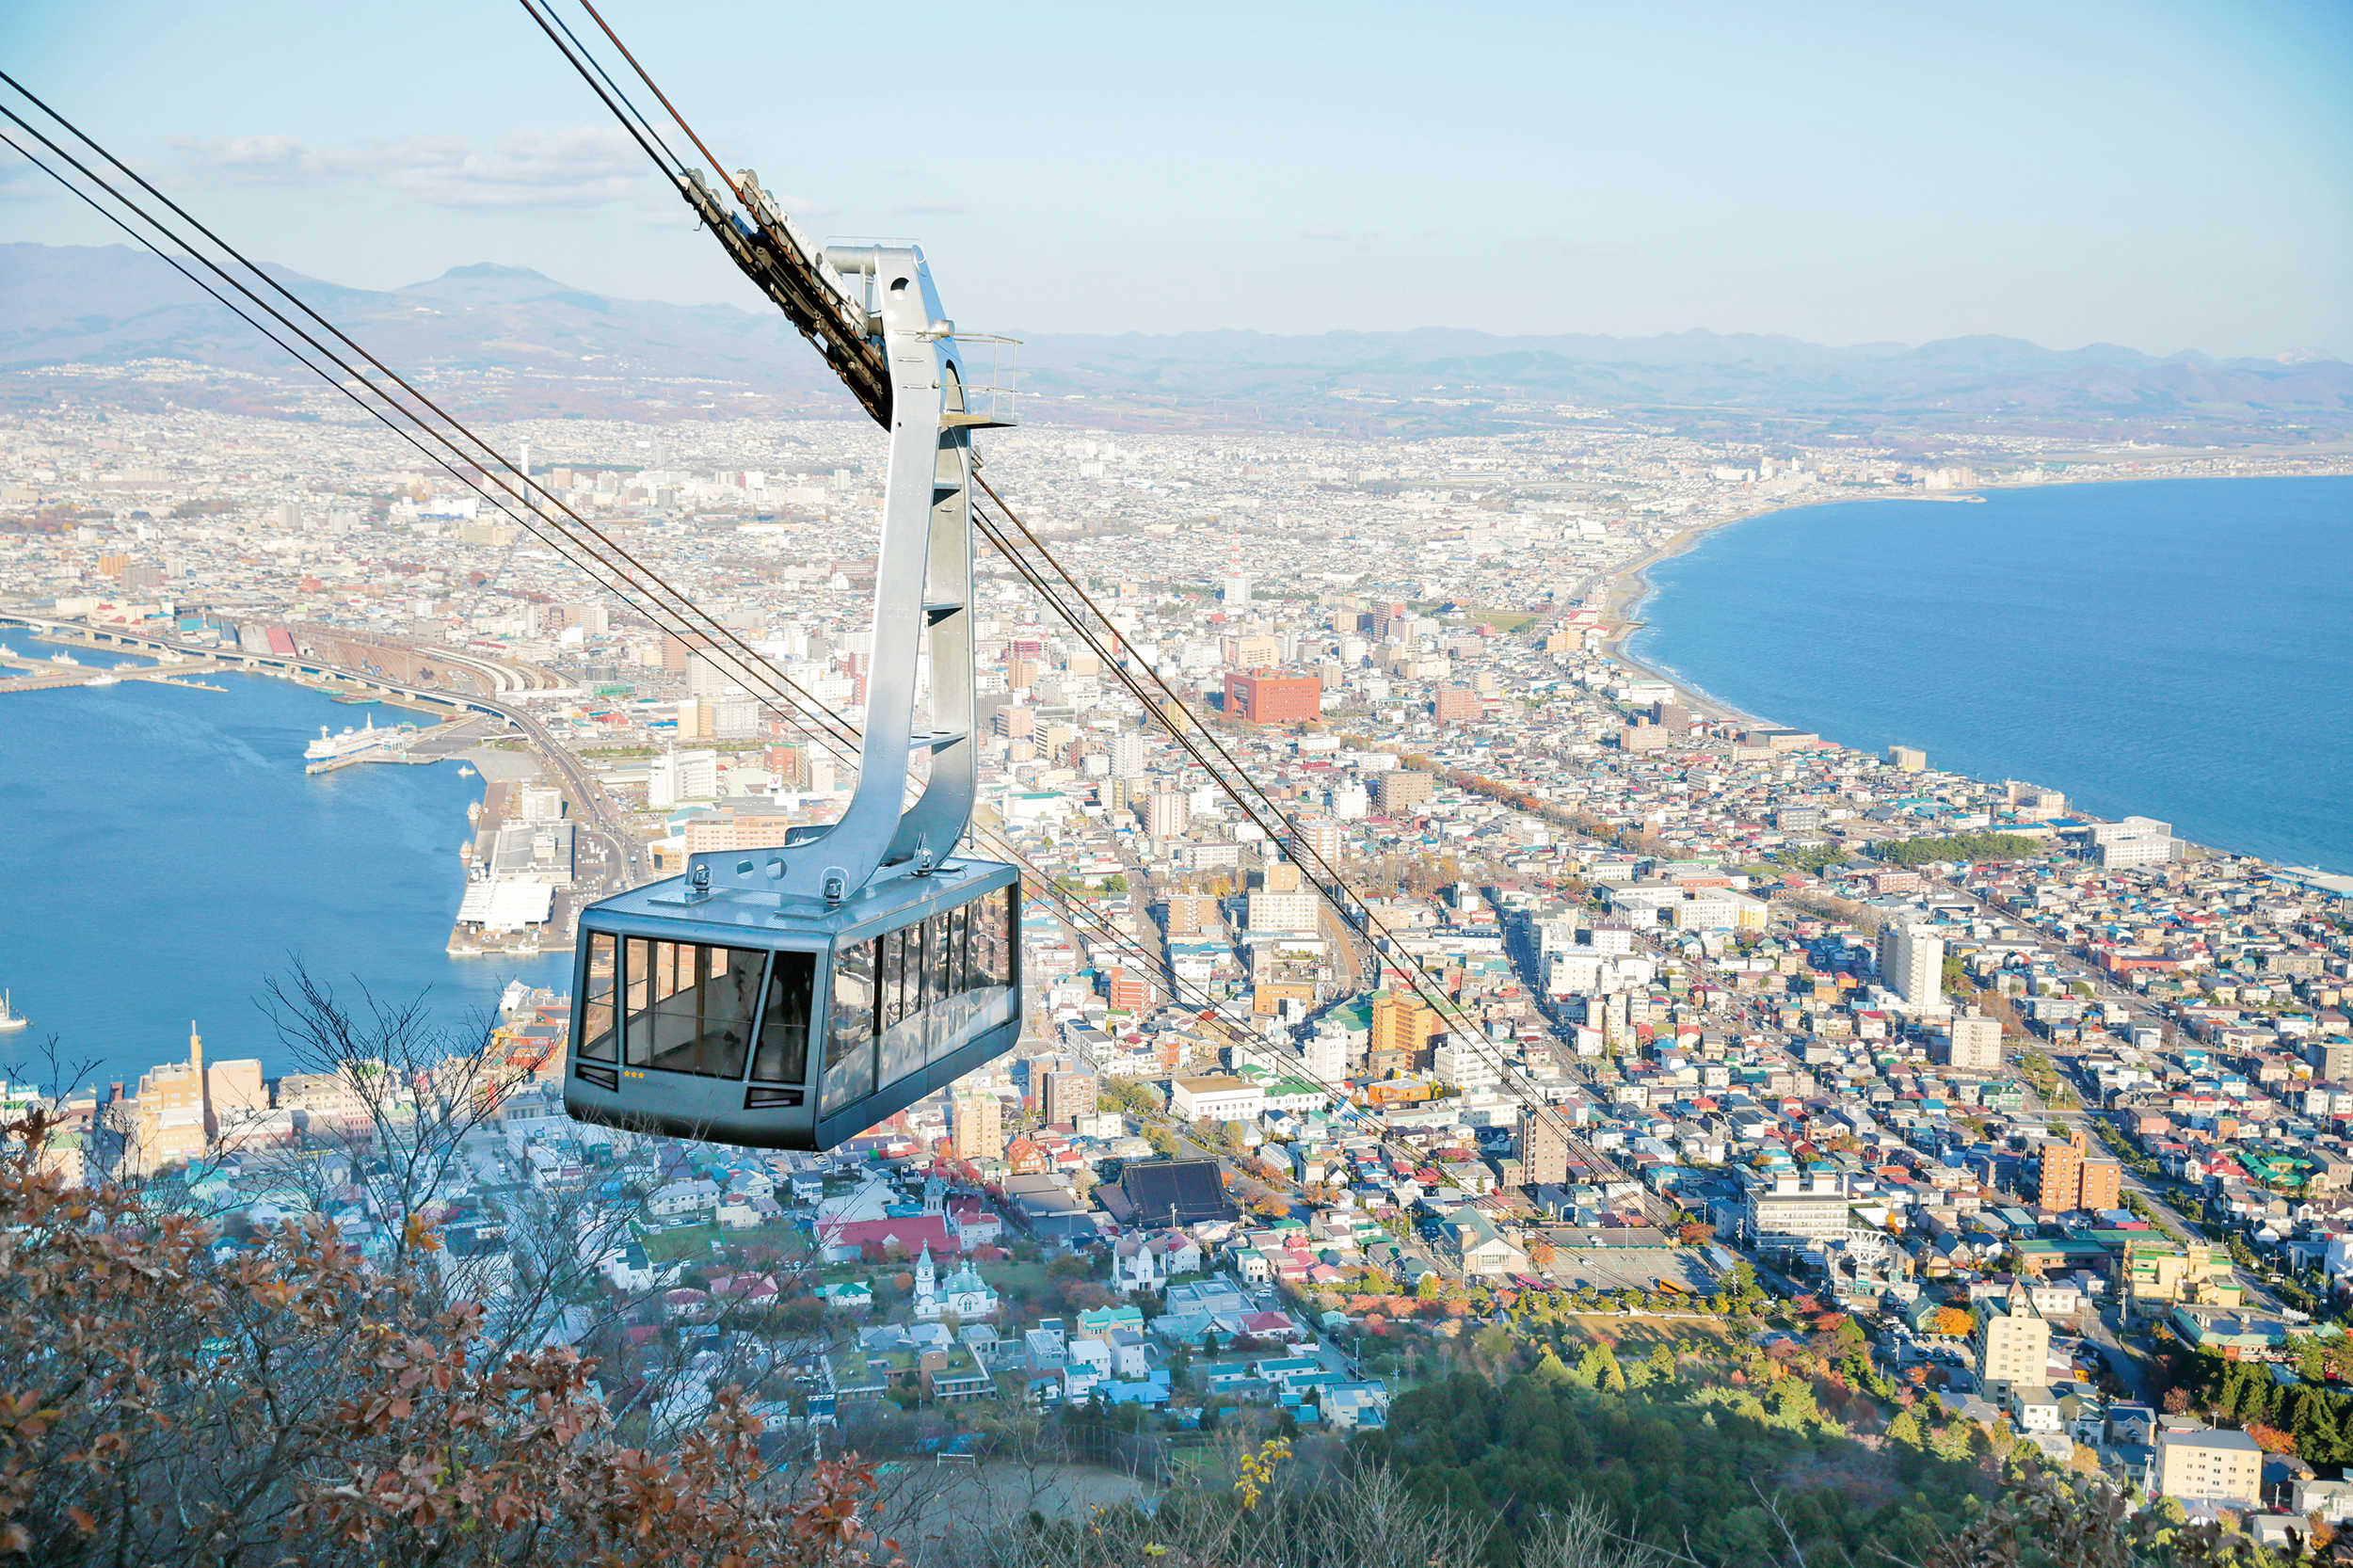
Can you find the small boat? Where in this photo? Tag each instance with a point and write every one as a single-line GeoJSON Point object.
{"type": "Point", "coordinates": [9, 1016]}
{"type": "Point", "coordinates": [103, 681]}
{"type": "Point", "coordinates": [464, 772]}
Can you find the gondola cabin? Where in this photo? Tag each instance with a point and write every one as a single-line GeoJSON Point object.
{"type": "Point", "coordinates": [782, 1022]}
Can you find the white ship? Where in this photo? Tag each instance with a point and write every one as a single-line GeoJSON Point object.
{"type": "Point", "coordinates": [63, 659]}
{"type": "Point", "coordinates": [9, 1016]}
{"type": "Point", "coordinates": [328, 748]}
{"type": "Point", "coordinates": [103, 681]}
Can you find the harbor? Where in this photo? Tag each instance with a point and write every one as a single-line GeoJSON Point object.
{"type": "Point", "coordinates": [63, 670]}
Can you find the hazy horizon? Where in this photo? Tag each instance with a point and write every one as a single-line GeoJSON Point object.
{"type": "Point", "coordinates": [1838, 175]}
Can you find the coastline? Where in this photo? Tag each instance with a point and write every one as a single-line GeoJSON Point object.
{"type": "Point", "coordinates": [1628, 587]}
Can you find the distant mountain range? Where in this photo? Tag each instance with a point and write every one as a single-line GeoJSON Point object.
{"type": "Point", "coordinates": [525, 345]}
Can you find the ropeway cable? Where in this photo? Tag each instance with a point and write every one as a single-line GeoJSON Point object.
{"type": "Point", "coordinates": [1332, 885]}
{"type": "Point", "coordinates": [684, 613]}
{"type": "Point", "coordinates": [1542, 1109]}
{"type": "Point", "coordinates": [830, 727]}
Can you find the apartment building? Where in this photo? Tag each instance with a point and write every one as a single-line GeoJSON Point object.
{"type": "Point", "coordinates": [2202, 1463]}
{"type": "Point", "coordinates": [2013, 1343]}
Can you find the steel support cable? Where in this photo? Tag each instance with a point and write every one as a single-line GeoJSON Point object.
{"type": "Point", "coordinates": [616, 579]}
{"type": "Point", "coordinates": [555, 539]}
{"type": "Point", "coordinates": [593, 73]}
{"type": "Point", "coordinates": [1542, 1108]}
{"type": "Point", "coordinates": [1333, 886]}
{"type": "Point", "coordinates": [716, 167]}
{"type": "Point", "coordinates": [1338, 1092]}
{"type": "Point", "coordinates": [497, 460]}
{"type": "Point", "coordinates": [778, 265]}
{"type": "Point", "coordinates": [647, 581]}
{"type": "Point", "coordinates": [838, 734]}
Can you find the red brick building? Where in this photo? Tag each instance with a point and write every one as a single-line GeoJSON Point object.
{"type": "Point", "coordinates": [1457, 705]}
{"type": "Point", "coordinates": [1273, 698]}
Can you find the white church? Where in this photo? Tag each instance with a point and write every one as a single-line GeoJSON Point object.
{"type": "Point", "coordinates": [964, 1293]}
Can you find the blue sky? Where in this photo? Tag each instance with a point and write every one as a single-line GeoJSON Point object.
{"type": "Point", "coordinates": [2162, 176]}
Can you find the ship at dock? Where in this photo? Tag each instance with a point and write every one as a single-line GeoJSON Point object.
{"type": "Point", "coordinates": [353, 745]}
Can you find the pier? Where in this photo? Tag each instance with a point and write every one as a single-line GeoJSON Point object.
{"type": "Point", "coordinates": [47, 674]}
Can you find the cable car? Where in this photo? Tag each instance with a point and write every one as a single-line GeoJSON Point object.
{"type": "Point", "coordinates": [785, 1023]}
{"type": "Point", "coordinates": [792, 996]}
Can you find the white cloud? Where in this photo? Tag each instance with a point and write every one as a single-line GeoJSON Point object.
{"type": "Point", "coordinates": [20, 181]}
{"type": "Point", "coordinates": [1322, 234]}
{"type": "Point", "coordinates": [932, 204]}
{"type": "Point", "coordinates": [582, 167]}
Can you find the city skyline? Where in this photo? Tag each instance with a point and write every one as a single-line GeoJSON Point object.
{"type": "Point", "coordinates": [1833, 177]}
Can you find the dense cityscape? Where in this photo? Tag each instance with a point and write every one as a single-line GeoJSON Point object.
{"type": "Point", "coordinates": [1665, 1043]}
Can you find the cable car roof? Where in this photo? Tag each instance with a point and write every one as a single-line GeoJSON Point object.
{"type": "Point", "coordinates": [741, 917]}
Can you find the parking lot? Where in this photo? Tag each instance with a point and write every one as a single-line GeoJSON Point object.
{"type": "Point", "coordinates": [1633, 1269]}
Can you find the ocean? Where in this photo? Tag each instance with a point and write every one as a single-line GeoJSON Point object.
{"type": "Point", "coordinates": [167, 856]}
{"type": "Point", "coordinates": [2177, 649]}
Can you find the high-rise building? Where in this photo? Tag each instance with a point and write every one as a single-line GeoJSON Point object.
{"type": "Point", "coordinates": [1127, 754]}
{"type": "Point", "coordinates": [2201, 1462]}
{"type": "Point", "coordinates": [1456, 704]}
{"type": "Point", "coordinates": [2134, 841]}
{"type": "Point", "coordinates": [2062, 1176]}
{"type": "Point", "coordinates": [1065, 1094]}
{"type": "Point", "coordinates": [1166, 813]}
{"type": "Point", "coordinates": [1128, 990]}
{"type": "Point", "coordinates": [678, 775]}
{"type": "Point", "coordinates": [1542, 1142]}
{"type": "Point", "coordinates": [734, 718]}
{"type": "Point", "coordinates": [1401, 787]}
{"type": "Point", "coordinates": [2076, 1178]}
{"type": "Point", "coordinates": [1912, 964]}
{"type": "Point", "coordinates": [2014, 1345]}
{"type": "Point", "coordinates": [1324, 1055]}
{"type": "Point", "coordinates": [1273, 699]}
{"type": "Point", "coordinates": [1973, 1044]}
{"type": "Point", "coordinates": [1315, 833]}
{"type": "Point", "coordinates": [1189, 913]}
{"type": "Point", "coordinates": [1908, 758]}
{"type": "Point", "coordinates": [978, 1124]}
{"type": "Point", "coordinates": [1401, 1029]}
{"type": "Point", "coordinates": [1292, 911]}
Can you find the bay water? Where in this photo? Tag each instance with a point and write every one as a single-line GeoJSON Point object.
{"type": "Point", "coordinates": [165, 855]}
{"type": "Point", "coordinates": [2177, 649]}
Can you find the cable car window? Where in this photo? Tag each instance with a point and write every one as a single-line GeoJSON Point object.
{"type": "Point", "coordinates": [598, 1041]}
{"type": "Point", "coordinates": [938, 968]}
{"type": "Point", "coordinates": [992, 920]}
{"type": "Point", "coordinates": [690, 1007]}
{"type": "Point", "coordinates": [783, 1053]}
{"type": "Point", "coordinates": [850, 1043]}
{"type": "Point", "coordinates": [901, 1044]}
{"type": "Point", "coordinates": [958, 970]}
{"type": "Point", "coordinates": [889, 1009]}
